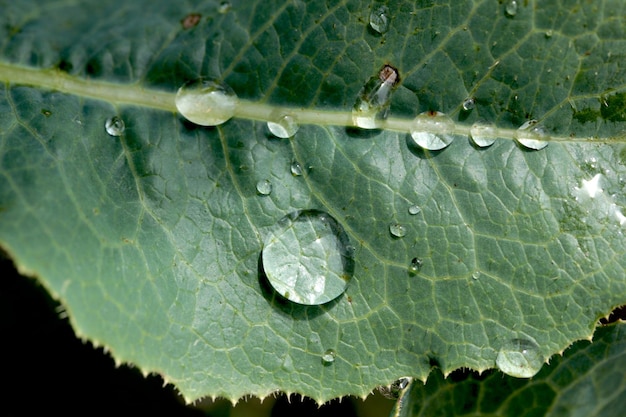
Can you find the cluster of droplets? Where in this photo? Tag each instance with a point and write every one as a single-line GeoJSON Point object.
{"type": "Point", "coordinates": [394, 390]}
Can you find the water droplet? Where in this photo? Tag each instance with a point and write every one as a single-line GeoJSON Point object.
{"type": "Point", "coordinates": [206, 102]}
{"type": "Point", "coordinates": [431, 130]}
{"type": "Point", "coordinates": [532, 135]}
{"type": "Point", "coordinates": [483, 134]}
{"type": "Point", "coordinates": [549, 33]}
{"type": "Point", "coordinates": [284, 126]}
{"type": "Point", "coordinates": [372, 104]}
{"type": "Point", "coordinates": [397, 230]}
{"type": "Point", "coordinates": [309, 257]}
{"type": "Point", "coordinates": [469, 103]}
{"type": "Point", "coordinates": [394, 390]}
{"type": "Point", "coordinates": [329, 357]}
{"type": "Point", "coordinates": [296, 169]}
{"type": "Point", "coordinates": [520, 358]}
{"type": "Point", "coordinates": [46, 112]}
{"type": "Point", "coordinates": [224, 7]}
{"type": "Point", "coordinates": [476, 275]}
{"type": "Point", "coordinates": [511, 8]}
{"type": "Point", "coordinates": [414, 209]}
{"type": "Point", "coordinates": [264, 187]}
{"type": "Point", "coordinates": [114, 126]}
{"type": "Point", "coordinates": [379, 19]}
{"type": "Point", "coordinates": [415, 266]}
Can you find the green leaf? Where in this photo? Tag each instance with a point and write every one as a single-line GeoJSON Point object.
{"type": "Point", "coordinates": [153, 239]}
{"type": "Point", "coordinates": [587, 381]}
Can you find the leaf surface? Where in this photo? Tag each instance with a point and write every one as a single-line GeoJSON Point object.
{"type": "Point", "coordinates": [153, 239]}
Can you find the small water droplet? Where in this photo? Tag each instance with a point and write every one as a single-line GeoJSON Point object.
{"type": "Point", "coordinates": [549, 33]}
{"type": "Point", "coordinates": [264, 187]}
{"type": "Point", "coordinates": [431, 130]}
{"type": "Point", "coordinates": [414, 209]}
{"type": "Point", "coordinates": [283, 126]}
{"type": "Point", "coordinates": [394, 390]}
{"type": "Point", "coordinates": [397, 230]}
{"type": "Point", "coordinates": [308, 255]}
{"type": "Point", "coordinates": [483, 134]}
{"type": "Point", "coordinates": [296, 169]}
{"type": "Point", "coordinates": [519, 358]}
{"type": "Point", "coordinates": [532, 135]}
{"type": "Point", "coordinates": [379, 19]}
{"type": "Point", "coordinates": [329, 357]}
{"type": "Point", "coordinates": [476, 275]}
{"type": "Point", "coordinates": [415, 266]}
{"type": "Point", "coordinates": [114, 126]}
{"type": "Point", "coordinates": [46, 112]}
{"type": "Point", "coordinates": [224, 7]}
{"type": "Point", "coordinates": [469, 104]}
{"type": "Point", "coordinates": [206, 102]}
{"type": "Point", "coordinates": [372, 104]}
{"type": "Point", "coordinates": [511, 8]}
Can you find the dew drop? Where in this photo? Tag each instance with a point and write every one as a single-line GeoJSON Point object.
{"type": "Point", "coordinates": [415, 266]}
{"type": "Point", "coordinates": [206, 102]}
{"type": "Point", "coordinates": [483, 134]}
{"type": "Point", "coordinates": [296, 169]}
{"type": "Point", "coordinates": [432, 130]}
{"type": "Point", "coordinates": [114, 126]}
{"type": "Point", "coordinates": [414, 209]}
{"type": "Point", "coordinates": [476, 275]}
{"type": "Point", "coordinates": [379, 19]}
{"type": "Point", "coordinates": [283, 126]}
{"type": "Point", "coordinates": [469, 104]}
{"type": "Point", "coordinates": [372, 104]}
{"type": "Point", "coordinates": [532, 135]}
{"type": "Point", "coordinates": [397, 230]}
{"type": "Point", "coordinates": [519, 358]}
{"type": "Point", "coordinates": [329, 357]}
{"type": "Point", "coordinates": [264, 187]}
{"type": "Point", "coordinates": [549, 33]}
{"type": "Point", "coordinates": [224, 7]}
{"type": "Point", "coordinates": [394, 390]}
{"type": "Point", "coordinates": [511, 8]}
{"type": "Point", "coordinates": [308, 256]}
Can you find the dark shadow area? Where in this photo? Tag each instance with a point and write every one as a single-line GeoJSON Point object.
{"type": "Point", "coordinates": [617, 314]}
{"type": "Point", "coordinates": [358, 133]}
{"type": "Point", "coordinates": [306, 407]}
{"type": "Point", "coordinates": [289, 308]}
{"type": "Point", "coordinates": [48, 370]}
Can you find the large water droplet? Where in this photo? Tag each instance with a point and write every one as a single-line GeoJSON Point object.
{"type": "Point", "coordinates": [114, 126]}
{"type": "Point", "coordinates": [372, 104]}
{"type": "Point", "coordinates": [415, 266]}
{"type": "Point", "coordinates": [510, 8]}
{"type": "Point", "coordinates": [308, 258]}
{"type": "Point", "coordinates": [397, 230]}
{"type": "Point", "coordinates": [379, 19]}
{"type": "Point", "coordinates": [414, 209]}
{"type": "Point", "coordinates": [432, 130]}
{"type": "Point", "coordinates": [329, 357]}
{"type": "Point", "coordinates": [283, 126]}
{"type": "Point", "coordinates": [206, 102]}
{"type": "Point", "coordinates": [264, 187]}
{"type": "Point", "coordinates": [483, 134]}
{"type": "Point", "coordinates": [469, 103]}
{"type": "Point", "coordinates": [532, 135]}
{"type": "Point", "coordinates": [519, 358]}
